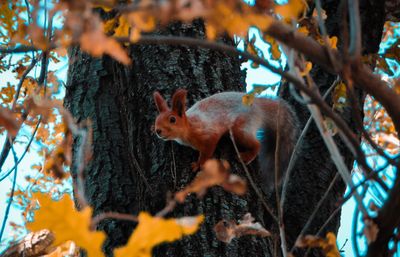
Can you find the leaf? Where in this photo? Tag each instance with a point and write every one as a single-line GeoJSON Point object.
{"type": "Point", "coordinates": [7, 93]}
{"type": "Point", "coordinates": [142, 20]}
{"type": "Point", "coordinates": [96, 43]}
{"type": "Point", "coordinates": [248, 99]}
{"type": "Point", "coordinates": [224, 17]}
{"type": "Point", "coordinates": [228, 230]}
{"type": "Point", "coordinates": [9, 121]}
{"type": "Point", "coordinates": [214, 173]}
{"type": "Point", "coordinates": [123, 27]}
{"type": "Point", "coordinates": [152, 231]}
{"type": "Point", "coordinates": [306, 69]}
{"type": "Point", "coordinates": [339, 97]}
{"type": "Point", "coordinates": [20, 69]}
{"type": "Point", "coordinates": [333, 42]}
{"type": "Point", "coordinates": [211, 32]}
{"type": "Point", "coordinates": [327, 244]}
{"type": "Point", "coordinates": [275, 51]}
{"type": "Point", "coordinates": [304, 30]}
{"type": "Point", "coordinates": [66, 223]}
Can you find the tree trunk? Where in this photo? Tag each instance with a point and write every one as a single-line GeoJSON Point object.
{"type": "Point", "coordinates": [132, 170]}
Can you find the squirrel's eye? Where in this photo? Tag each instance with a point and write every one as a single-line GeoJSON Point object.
{"type": "Point", "coordinates": [172, 119]}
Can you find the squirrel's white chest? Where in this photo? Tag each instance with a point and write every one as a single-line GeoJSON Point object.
{"type": "Point", "coordinates": [182, 142]}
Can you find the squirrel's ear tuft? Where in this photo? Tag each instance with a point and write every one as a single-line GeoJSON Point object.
{"type": "Point", "coordinates": [161, 104]}
{"type": "Point", "coordinates": [179, 102]}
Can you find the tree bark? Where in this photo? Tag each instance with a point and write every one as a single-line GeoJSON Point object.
{"type": "Point", "coordinates": [132, 170]}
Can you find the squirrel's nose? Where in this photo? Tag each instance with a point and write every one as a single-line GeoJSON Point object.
{"type": "Point", "coordinates": [158, 132]}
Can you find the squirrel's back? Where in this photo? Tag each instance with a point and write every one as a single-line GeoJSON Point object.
{"type": "Point", "coordinates": [274, 116]}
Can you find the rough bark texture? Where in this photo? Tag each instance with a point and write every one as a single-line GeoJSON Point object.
{"type": "Point", "coordinates": [314, 170]}
{"type": "Point", "coordinates": [132, 170]}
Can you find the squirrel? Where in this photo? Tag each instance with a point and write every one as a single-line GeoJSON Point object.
{"type": "Point", "coordinates": [202, 126]}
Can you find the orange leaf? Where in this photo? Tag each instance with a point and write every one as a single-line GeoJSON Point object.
{"type": "Point", "coordinates": [9, 120]}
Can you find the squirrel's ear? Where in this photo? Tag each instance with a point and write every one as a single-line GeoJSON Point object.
{"type": "Point", "coordinates": [179, 102]}
{"type": "Point", "coordinates": [160, 102]}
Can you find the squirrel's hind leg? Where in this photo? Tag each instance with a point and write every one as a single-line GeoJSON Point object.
{"type": "Point", "coordinates": [248, 143]}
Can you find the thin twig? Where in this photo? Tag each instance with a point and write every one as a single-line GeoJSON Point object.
{"type": "Point", "coordinates": [24, 153]}
{"type": "Point", "coordinates": [112, 215]}
{"type": "Point", "coordinates": [170, 206]}
{"type": "Point", "coordinates": [316, 209]}
{"type": "Point", "coordinates": [297, 146]}
{"type": "Point", "coordinates": [325, 36]}
{"type": "Point", "coordinates": [277, 176]}
{"type": "Point", "coordinates": [253, 185]}
{"type": "Point", "coordinates": [10, 139]}
{"type": "Point", "coordinates": [10, 199]}
{"type": "Point", "coordinates": [355, 29]}
{"type": "Point", "coordinates": [385, 94]}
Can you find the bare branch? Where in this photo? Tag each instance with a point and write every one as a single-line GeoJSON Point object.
{"type": "Point", "coordinates": [112, 215]}
{"type": "Point", "coordinates": [355, 29]}
{"type": "Point", "coordinates": [253, 185]}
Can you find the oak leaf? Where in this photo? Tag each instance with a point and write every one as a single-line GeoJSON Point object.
{"type": "Point", "coordinates": [66, 223]}
{"type": "Point", "coordinates": [152, 231]}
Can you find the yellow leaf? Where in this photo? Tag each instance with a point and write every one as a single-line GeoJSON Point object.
{"type": "Point", "coordinates": [333, 42]}
{"type": "Point", "coordinates": [152, 231]}
{"type": "Point", "coordinates": [66, 223]}
{"type": "Point", "coordinates": [135, 35]}
{"type": "Point", "coordinates": [225, 18]}
{"type": "Point", "coordinates": [275, 52]}
{"type": "Point", "coordinates": [211, 32]}
{"type": "Point", "coordinates": [109, 25]}
{"type": "Point", "coordinates": [96, 43]}
{"type": "Point", "coordinates": [248, 99]}
{"type": "Point", "coordinates": [327, 244]}
{"type": "Point", "coordinates": [142, 21]}
{"type": "Point", "coordinates": [123, 27]}
{"type": "Point", "coordinates": [339, 97]}
{"type": "Point", "coordinates": [307, 69]}
{"type": "Point", "coordinates": [304, 30]}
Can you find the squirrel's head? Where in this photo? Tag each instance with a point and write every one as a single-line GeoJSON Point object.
{"type": "Point", "coordinates": [171, 123]}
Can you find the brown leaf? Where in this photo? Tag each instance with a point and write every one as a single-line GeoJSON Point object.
{"type": "Point", "coordinates": [8, 119]}
{"type": "Point", "coordinates": [214, 173]}
{"type": "Point", "coordinates": [226, 230]}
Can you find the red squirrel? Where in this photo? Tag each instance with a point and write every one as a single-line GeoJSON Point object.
{"type": "Point", "coordinates": [202, 126]}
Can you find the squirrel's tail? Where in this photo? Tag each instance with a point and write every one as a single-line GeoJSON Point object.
{"type": "Point", "coordinates": [278, 141]}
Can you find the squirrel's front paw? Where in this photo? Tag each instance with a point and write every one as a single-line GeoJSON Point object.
{"type": "Point", "coordinates": [195, 166]}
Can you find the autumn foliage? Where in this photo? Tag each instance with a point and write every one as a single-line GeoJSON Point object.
{"type": "Point", "coordinates": [32, 36]}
